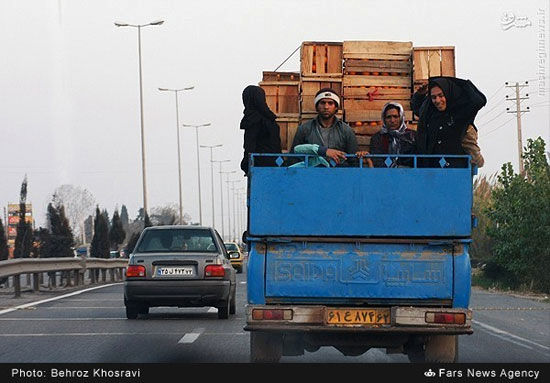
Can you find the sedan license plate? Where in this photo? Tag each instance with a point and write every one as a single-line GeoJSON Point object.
{"type": "Point", "coordinates": [179, 271]}
{"type": "Point", "coordinates": [353, 317]}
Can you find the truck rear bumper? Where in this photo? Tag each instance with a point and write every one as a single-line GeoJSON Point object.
{"type": "Point", "coordinates": [403, 320]}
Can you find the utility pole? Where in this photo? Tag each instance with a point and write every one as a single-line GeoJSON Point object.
{"type": "Point", "coordinates": [518, 113]}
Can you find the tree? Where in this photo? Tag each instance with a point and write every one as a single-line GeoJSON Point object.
{"type": "Point", "coordinates": [88, 229]}
{"type": "Point", "coordinates": [100, 241]}
{"type": "Point", "coordinates": [481, 249]}
{"type": "Point", "coordinates": [520, 217]}
{"type": "Point", "coordinates": [23, 240]}
{"type": "Point", "coordinates": [60, 241]}
{"type": "Point", "coordinates": [4, 251]}
{"type": "Point", "coordinates": [116, 232]}
{"type": "Point", "coordinates": [124, 218]}
{"type": "Point", "coordinates": [78, 204]}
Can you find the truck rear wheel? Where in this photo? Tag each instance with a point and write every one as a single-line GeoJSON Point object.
{"type": "Point", "coordinates": [265, 347]}
{"type": "Point", "coordinates": [437, 349]}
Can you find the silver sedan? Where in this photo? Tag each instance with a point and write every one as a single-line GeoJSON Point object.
{"type": "Point", "coordinates": [183, 266]}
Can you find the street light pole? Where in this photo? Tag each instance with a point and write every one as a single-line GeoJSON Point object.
{"type": "Point", "coordinates": [198, 164]}
{"type": "Point", "coordinates": [211, 147]}
{"type": "Point", "coordinates": [233, 233]}
{"type": "Point", "coordinates": [179, 151]}
{"type": "Point", "coordinates": [221, 192]}
{"type": "Point", "coordinates": [143, 172]}
{"type": "Point", "coordinates": [228, 204]}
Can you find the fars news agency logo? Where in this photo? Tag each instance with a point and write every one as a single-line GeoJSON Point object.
{"type": "Point", "coordinates": [429, 373]}
{"type": "Point", "coordinates": [510, 20]}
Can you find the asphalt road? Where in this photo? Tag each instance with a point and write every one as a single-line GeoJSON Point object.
{"type": "Point", "coordinates": [89, 326]}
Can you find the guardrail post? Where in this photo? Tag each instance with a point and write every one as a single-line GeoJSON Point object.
{"type": "Point", "coordinates": [36, 282]}
{"type": "Point", "coordinates": [92, 275]}
{"type": "Point", "coordinates": [17, 285]}
{"type": "Point", "coordinates": [112, 274]}
{"type": "Point", "coordinates": [76, 277]}
{"type": "Point", "coordinates": [103, 275]}
{"type": "Point", "coordinates": [68, 276]}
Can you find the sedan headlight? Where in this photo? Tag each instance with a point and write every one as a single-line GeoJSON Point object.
{"type": "Point", "coordinates": [233, 255]}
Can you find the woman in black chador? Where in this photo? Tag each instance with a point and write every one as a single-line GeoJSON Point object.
{"type": "Point", "coordinates": [261, 132]}
{"type": "Point", "coordinates": [447, 107]}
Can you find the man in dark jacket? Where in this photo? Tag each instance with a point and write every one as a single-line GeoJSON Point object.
{"type": "Point", "coordinates": [261, 132]}
{"type": "Point", "coordinates": [447, 107]}
{"type": "Point", "coordinates": [333, 136]}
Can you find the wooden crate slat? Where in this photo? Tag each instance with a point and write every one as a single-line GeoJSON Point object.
{"type": "Point", "coordinates": [353, 104]}
{"type": "Point", "coordinates": [366, 129]}
{"type": "Point", "coordinates": [378, 56]}
{"type": "Point", "coordinates": [363, 140]}
{"type": "Point", "coordinates": [376, 93]}
{"type": "Point", "coordinates": [357, 80]}
{"type": "Point", "coordinates": [376, 47]}
{"type": "Point", "coordinates": [448, 63]}
{"type": "Point", "coordinates": [280, 76]}
{"type": "Point", "coordinates": [354, 115]}
{"type": "Point", "coordinates": [420, 63]}
{"type": "Point", "coordinates": [287, 130]}
{"type": "Point", "coordinates": [378, 64]}
{"type": "Point", "coordinates": [434, 63]}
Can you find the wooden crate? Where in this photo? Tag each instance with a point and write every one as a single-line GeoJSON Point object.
{"type": "Point", "coordinates": [321, 59]}
{"type": "Point", "coordinates": [432, 61]}
{"type": "Point", "coordinates": [377, 50]}
{"type": "Point", "coordinates": [377, 67]}
{"type": "Point", "coordinates": [310, 85]}
{"type": "Point", "coordinates": [280, 76]}
{"type": "Point", "coordinates": [304, 117]}
{"type": "Point", "coordinates": [287, 130]}
{"type": "Point", "coordinates": [282, 92]}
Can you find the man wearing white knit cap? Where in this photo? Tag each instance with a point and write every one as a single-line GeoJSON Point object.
{"type": "Point", "coordinates": [333, 136]}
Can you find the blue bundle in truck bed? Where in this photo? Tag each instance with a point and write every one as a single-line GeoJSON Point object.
{"type": "Point", "coordinates": [357, 257]}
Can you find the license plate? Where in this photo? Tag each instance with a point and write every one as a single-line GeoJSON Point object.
{"type": "Point", "coordinates": [357, 316]}
{"type": "Point", "coordinates": [184, 271]}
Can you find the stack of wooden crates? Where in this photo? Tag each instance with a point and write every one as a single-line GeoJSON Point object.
{"type": "Point", "coordinates": [366, 74]}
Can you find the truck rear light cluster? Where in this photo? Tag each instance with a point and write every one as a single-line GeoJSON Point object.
{"type": "Point", "coordinates": [271, 314]}
{"type": "Point", "coordinates": [446, 318]}
{"type": "Point", "coordinates": [214, 271]}
{"type": "Point", "coordinates": [135, 271]}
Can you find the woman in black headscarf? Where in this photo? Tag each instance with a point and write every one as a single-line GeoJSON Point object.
{"type": "Point", "coordinates": [261, 132]}
{"type": "Point", "coordinates": [446, 120]}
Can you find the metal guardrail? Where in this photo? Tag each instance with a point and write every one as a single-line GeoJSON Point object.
{"type": "Point", "coordinates": [76, 266]}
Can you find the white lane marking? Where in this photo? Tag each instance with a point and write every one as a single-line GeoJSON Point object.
{"type": "Point", "coordinates": [502, 332]}
{"type": "Point", "coordinates": [55, 298]}
{"type": "Point", "coordinates": [84, 334]}
{"type": "Point", "coordinates": [212, 310]}
{"type": "Point", "coordinates": [192, 336]}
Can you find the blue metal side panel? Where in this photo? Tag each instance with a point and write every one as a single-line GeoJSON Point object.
{"type": "Point", "coordinates": [463, 278]}
{"type": "Point", "coordinates": [358, 270]}
{"type": "Point", "coordinates": [402, 202]}
{"type": "Point", "coordinates": [255, 274]}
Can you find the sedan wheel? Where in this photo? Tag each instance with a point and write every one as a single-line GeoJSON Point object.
{"type": "Point", "coordinates": [223, 312]}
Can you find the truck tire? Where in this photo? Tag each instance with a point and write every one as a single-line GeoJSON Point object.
{"type": "Point", "coordinates": [442, 349]}
{"type": "Point", "coordinates": [132, 311]}
{"type": "Point", "coordinates": [233, 306]}
{"type": "Point", "coordinates": [265, 347]}
{"type": "Point", "coordinates": [437, 349]}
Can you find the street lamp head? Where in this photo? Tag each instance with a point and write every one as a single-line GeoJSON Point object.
{"type": "Point", "coordinates": [121, 24]}
{"type": "Point", "coordinates": [158, 22]}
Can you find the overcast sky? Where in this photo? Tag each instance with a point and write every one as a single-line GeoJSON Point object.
{"type": "Point", "coordinates": [69, 98]}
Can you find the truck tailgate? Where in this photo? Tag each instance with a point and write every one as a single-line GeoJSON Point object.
{"type": "Point", "coordinates": [313, 272]}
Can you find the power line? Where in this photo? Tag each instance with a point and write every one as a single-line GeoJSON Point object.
{"type": "Point", "coordinates": [494, 118]}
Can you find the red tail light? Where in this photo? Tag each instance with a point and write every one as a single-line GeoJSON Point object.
{"type": "Point", "coordinates": [271, 314]}
{"type": "Point", "coordinates": [135, 271]}
{"type": "Point", "coordinates": [214, 271]}
{"type": "Point", "coordinates": [446, 318]}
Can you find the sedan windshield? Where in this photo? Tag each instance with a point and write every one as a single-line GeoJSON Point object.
{"type": "Point", "coordinates": [231, 247]}
{"type": "Point", "coordinates": [177, 240]}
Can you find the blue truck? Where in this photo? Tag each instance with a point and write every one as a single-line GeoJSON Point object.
{"type": "Point", "coordinates": [357, 258]}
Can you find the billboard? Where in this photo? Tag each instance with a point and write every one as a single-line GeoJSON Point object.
{"type": "Point", "coordinates": [13, 220]}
